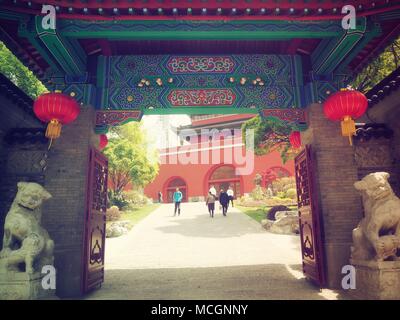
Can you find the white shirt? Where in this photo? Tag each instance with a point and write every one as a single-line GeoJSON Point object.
{"type": "Point", "coordinates": [230, 192]}
{"type": "Point", "coordinates": [213, 191]}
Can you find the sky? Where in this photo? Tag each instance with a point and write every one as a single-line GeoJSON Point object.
{"type": "Point", "coordinates": [156, 131]}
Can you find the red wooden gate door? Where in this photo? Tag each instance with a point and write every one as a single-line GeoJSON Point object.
{"type": "Point", "coordinates": [309, 218]}
{"type": "Point", "coordinates": [95, 223]}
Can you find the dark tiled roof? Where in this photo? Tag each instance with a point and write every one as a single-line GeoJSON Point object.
{"type": "Point", "coordinates": [26, 135]}
{"type": "Point", "coordinates": [372, 130]}
{"type": "Point", "coordinates": [16, 95]}
{"type": "Point", "coordinates": [384, 88]}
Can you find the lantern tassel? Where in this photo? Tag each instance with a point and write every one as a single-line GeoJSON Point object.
{"type": "Point", "coordinates": [348, 128]}
{"type": "Point", "coordinates": [53, 130]}
{"type": "Point", "coordinates": [50, 144]}
{"type": "Point", "coordinates": [351, 140]}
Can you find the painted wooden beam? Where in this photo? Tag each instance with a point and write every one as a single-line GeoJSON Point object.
{"type": "Point", "coordinates": [293, 46]}
{"type": "Point", "coordinates": [62, 54]}
{"type": "Point", "coordinates": [38, 45]}
{"type": "Point", "coordinates": [336, 53]}
{"type": "Point", "coordinates": [198, 30]}
{"type": "Point", "coordinates": [209, 4]}
{"type": "Point", "coordinates": [13, 15]}
{"type": "Point", "coordinates": [201, 110]}
{"type": "Point", "coordinates": [69, 55]}
{"type": "Point", "coordinates": [371, 33]}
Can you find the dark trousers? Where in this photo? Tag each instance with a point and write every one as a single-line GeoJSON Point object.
{"type": "Point", "coordinates": [177, 208]}
{"type": "Point", "coordinates": [225, 208]}
{"type": "Point", "coordinates": [211, 208]}
{"type": "Point", "coordinates": [231, 200]}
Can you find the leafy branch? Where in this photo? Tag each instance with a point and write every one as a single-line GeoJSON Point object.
{"type": "Point", "coordinates": [383, 65]}
{"type": "Point", "coordinates": [270, 135]}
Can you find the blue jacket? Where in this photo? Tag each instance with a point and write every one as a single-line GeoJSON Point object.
{"type": "Point", "coordinates": [223, 198]}
{"type": "Point", "coordinates": [177, 196]}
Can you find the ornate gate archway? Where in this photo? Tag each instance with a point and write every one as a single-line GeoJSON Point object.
{"type": "Point", "coordinates": [170, 186]}
{"type": "Point", "coordinates": [223, 176]}
{"type": "Point", "coordinates": [125, 61]}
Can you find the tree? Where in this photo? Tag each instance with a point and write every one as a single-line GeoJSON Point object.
{"type": "Point", "coordinates": [379, 68]}
{"type": "Point", "coordinates": [129, 160]}
{"type": "Point", "coordinates": [270, 134]}
{"type": "Point", "coordinates": [20, 75]}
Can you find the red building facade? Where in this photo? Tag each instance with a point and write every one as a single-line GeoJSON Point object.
{"type": "Point", "coordinates": [212, 153]}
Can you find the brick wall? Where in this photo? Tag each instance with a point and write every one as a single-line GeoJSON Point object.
{"type": "Point", "coordinates": [64, 177]}
{"type": "Point", "coordinates": [394, 123]}
{"type": "Point", "coordinates": [378, 154]}
{"type": "Point", "coordinates": [387, 111]}
{"type": "Point", "coordinates": [63, 215]}
{"type": "Point", "coordinates": [17, 162]}
{"type": "Point", "coordinates": [340, 204]}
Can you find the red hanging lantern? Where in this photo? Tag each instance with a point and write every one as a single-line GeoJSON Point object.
{"type": "Point", "coordinates": [346, 105]}
{"type": "Point", "coordinates": [295, 139]}
{"type": "Point", "coordinates": [56, 109]}
{"type": "Point", "coordinates": [103, 141]}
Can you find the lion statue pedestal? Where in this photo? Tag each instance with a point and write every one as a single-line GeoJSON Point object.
{"type": "Point", "coordinates": [27, 247]}
{"type": "Point", "coordinates": [376, 280]}
{"type": "Point", "coordinates": [375, 253]}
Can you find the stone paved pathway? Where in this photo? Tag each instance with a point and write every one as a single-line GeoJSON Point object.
{"type": "Point", "coordinates": [195, 257]}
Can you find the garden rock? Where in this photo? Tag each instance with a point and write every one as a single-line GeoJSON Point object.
{"type": "Point", "coordinates": [287, 222]}
{"type": "Point", "coordinates": [286, 225]}
{"type": "Point", "coordinates": [117, 229]}
{"type": "Point", "coordinates": [282, 214]}
{"type": "Point", "coordinates": [267, 224]}
{"type": "Point", "coordinates": [271, 213]}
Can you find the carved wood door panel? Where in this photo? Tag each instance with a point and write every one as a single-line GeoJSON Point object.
{"type": "Point", "coordinates": [309, 218]}
{"type": "Point", "coordinates": [95, 222]}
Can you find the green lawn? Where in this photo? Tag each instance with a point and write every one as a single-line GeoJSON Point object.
{"type": "Point", "coordinates": [135, 215]}
{"type": "Point", "coordinates": [257, 213]}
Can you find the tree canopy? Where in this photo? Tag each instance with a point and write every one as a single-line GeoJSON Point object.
{"type": "Point", "coordinates": [129, 159]}
{"type": "Point", "coordinates": [270, 134]}
{"type": "Point", "coordinates": [20, 75]}
{"type": "Point", "coordinates": [383, 65]}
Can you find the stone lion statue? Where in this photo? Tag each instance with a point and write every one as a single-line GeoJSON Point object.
{"type": "Point", "coordinates": [377, 237]}
{"type": "Point", "coordinates": [26, 245]}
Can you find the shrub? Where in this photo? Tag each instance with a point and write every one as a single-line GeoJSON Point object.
{"type": "Point", "coordinates": [127, 200]}
{"type": "Point", "coordinates": [113, 214]}
{"type": "Point", "coordinates": [243, 198]}
{"type": "Point", "coordinates": [281, 195]}
{"type": "Point", "coordinates": [252, 203]}
{"type": "Point", "coordinates": [116, 199]}
{"type": "Point", "coordinates": [257, 193]}
{"type": "Point", "coordinates": [257, 179]}
{"type": "Point", "coordinates": [135, 197]}
{"type": "Point", "coordinates": [275, 201]}
{"type": "Point", "coordinates": [291, 193]}
{"type": "Point", "coordinates": [283, 184]}
{"type": "Point", "coordinates": [268, 193]}
{"type": "Point", "coordinates": [271, 213]}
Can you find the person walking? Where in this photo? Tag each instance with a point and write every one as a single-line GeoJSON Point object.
{"type": "Point", "coordinates": [224, 201]}
{"type": "Point", "coordinates": [213, 191]}
{"type": "Point", "coordinates": [210, 202]}
{"type": "Point", "coordinates": [177, 197]}
{"type": "Point", "coordinates": [230, 194]}
{"type": "Point", "coordinates": [160, 197]}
